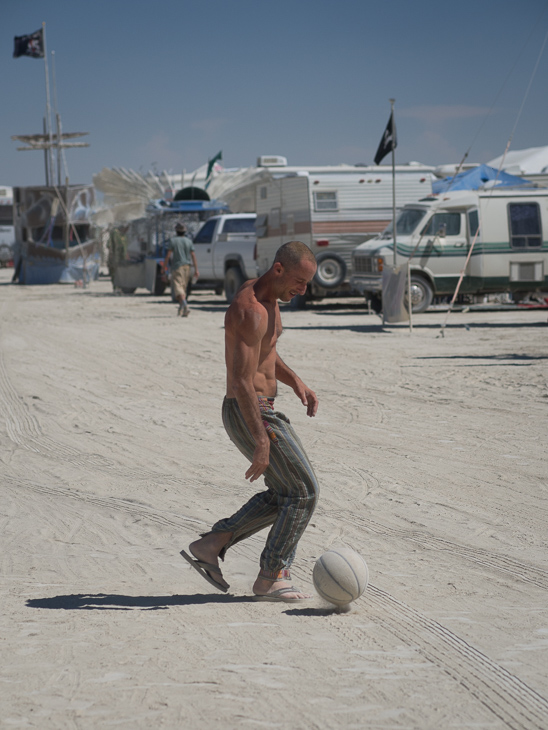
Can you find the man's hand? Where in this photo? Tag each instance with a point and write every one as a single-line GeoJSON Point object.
{"type": "Point", "coordinates": [260, 461]}
{"type": "Point", "coordinates": [308, 398]}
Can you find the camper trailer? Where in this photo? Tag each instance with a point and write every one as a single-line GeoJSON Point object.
{"type": "Point", "coordinates": [505, 227]}
{"type": "Point", "coordinates": [332, 210]}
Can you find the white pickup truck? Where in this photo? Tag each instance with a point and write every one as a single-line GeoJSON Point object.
{"type": "Point", "coordinates": [225, 248]}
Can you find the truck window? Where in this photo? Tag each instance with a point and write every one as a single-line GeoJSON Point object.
{"type": "Point", "coordinates": [524, 219]}
{"type": "Point", "coordinates": [451, 221]}
{"type": "Point", "coordinates": [325, 201]}
{"type": "Point", "coordinates": [239, 225]}
{"type": "Point", "coordinates": [205, 234]}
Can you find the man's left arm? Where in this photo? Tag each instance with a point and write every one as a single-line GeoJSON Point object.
{"type": "Point", "coordinates": [307, 396]}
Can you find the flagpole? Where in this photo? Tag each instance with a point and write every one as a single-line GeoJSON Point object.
{"type": "Point", "coordinates": [57, 119]}
{"type": "Point", "coordinates": [49, 173]}
{"type": "Point", "coordinates": [392, 102]}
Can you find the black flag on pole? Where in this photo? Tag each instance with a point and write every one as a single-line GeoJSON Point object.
{"type": "Point", "coordinates": [29, 45]}
{"type": "Point", "coordinates": [388, 142]}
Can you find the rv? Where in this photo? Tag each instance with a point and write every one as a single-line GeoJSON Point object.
{"type": "Point", "coordinates": [332, 210]}
{"type": "Point", "coordinates": [506, 228]}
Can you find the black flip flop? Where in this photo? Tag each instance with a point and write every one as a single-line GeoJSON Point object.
{"type": "Point", "coordinates": [205, 570]}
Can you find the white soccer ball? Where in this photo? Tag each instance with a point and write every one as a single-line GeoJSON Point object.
{"type": "Point", "coordinates": [340, 576]}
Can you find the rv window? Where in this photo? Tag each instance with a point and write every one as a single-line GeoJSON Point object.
{"type": "Point", "coordinates": [6, 215]}
{"type": "Point", "coordinates": [408, 220]}
{"type": "Point", "coordinates": [325, 201]}
{"type": "Point", "coordinates": [451, 221]}
{"type": "Point", "coordinates": [205, 234]}
{"type": "Point", "coordinates": [239, 225]}
{"type": "Point", "coordinates": [525, 228]}
{"type": "Point", "coordinates": [473, 222]}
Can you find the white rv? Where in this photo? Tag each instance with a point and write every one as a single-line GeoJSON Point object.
{"type": "Point", "coordinates": [332, 210]}
{"type": "Point", "coordinates": [507, 229]}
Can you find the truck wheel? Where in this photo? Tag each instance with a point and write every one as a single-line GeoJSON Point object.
{"type": "Point", "coordinates": [219, 289]}
{"type": "Point", "coordinates": [233, 281]}
{"type": "Point", "coordinates": [128, 289]}
{"type": "Point", "coordinates": [421, 294]}
{"type": "Point", "coordinates": [331, 271]}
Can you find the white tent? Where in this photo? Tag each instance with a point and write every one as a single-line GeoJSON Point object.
{"type": "Point", "coordinates": [532, 161]}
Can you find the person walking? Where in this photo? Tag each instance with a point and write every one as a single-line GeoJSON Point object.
{"type": "Point", "coordinates": [263, 434]}
{"type": "Point", "coordinates": [181, 252]}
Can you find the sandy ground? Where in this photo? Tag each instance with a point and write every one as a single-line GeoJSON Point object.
{"type": "Point", "coordinates": [431, 454]}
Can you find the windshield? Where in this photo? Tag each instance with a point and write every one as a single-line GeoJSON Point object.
{"type": "Point", "coordinates": [406, 223]}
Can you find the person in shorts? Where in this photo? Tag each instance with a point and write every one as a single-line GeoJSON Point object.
{"type": "Point", "coordinates": [181, 254]}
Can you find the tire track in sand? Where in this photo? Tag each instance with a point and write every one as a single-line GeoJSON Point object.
{"type": "Point", "coordinates": [24, 429]}
{"type": "Point", "coordinates": [131, 507]}
{"type": "Point", "coordinates": [512, 701]}
{"type": "Point", "coordinates": [506, 696]}
{"type": "Point", "coordinates": [502, 563]}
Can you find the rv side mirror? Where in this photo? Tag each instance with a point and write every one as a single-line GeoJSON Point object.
{"type": "Point", "coordinates": [442, 230]}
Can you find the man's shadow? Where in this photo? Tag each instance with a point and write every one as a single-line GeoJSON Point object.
{"type": "Point", "coordinates": [115, 602]}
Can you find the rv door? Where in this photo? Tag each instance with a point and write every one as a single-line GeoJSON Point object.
{"type": "Point", "coordinates": [477, 259]}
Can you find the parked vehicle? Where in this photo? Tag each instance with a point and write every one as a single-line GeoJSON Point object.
{"type": "Point", "coordinates": [332, 210]}
{"type": "Point", "coordinates": [225, 251]}
{"type": "Point", "coordinates": [145, 241]}
{"type": "Point", "coordinates": [507, 228]}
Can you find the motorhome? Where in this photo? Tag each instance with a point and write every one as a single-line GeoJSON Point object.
{"type": "Point", "coordinates": [505, 231]}
{"type": "Point", "coordinates": [331, 209]}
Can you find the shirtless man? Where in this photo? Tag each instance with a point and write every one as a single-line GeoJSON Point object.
{"type": "Point", "coordinates": [252, 328]}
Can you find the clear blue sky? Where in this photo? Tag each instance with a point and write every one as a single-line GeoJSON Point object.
{"type": "Point", "coordinates": [169, 83]}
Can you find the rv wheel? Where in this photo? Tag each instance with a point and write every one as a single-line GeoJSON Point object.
{"type": "Point", "coordinates": [421, 294]}
{"type": "Point", "coordinates": [375, 300]}
{"type": "Point", "coordinates": [331, 271]}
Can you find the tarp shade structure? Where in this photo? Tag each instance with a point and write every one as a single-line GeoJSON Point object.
{"type": "Point", "coordinates": [476, 178]}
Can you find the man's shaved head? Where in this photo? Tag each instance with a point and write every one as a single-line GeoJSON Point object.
{"type": "Point", "coordinates": [292, 253]}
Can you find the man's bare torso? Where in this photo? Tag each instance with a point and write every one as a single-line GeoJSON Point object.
{"type": "Point", "coordinates": [247, 320]}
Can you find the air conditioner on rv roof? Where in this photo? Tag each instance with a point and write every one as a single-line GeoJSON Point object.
{"type": "Point", "coordinates": [271, 161]}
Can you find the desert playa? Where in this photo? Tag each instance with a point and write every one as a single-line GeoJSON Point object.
{"type": "Point", "coordinates": [431, 456]}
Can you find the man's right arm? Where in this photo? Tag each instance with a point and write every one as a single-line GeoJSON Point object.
{"type": "Point", "coordinates": [247, 327]}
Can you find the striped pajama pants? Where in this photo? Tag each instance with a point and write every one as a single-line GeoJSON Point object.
{"type": "Point", "coordinates": [292, 489]}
